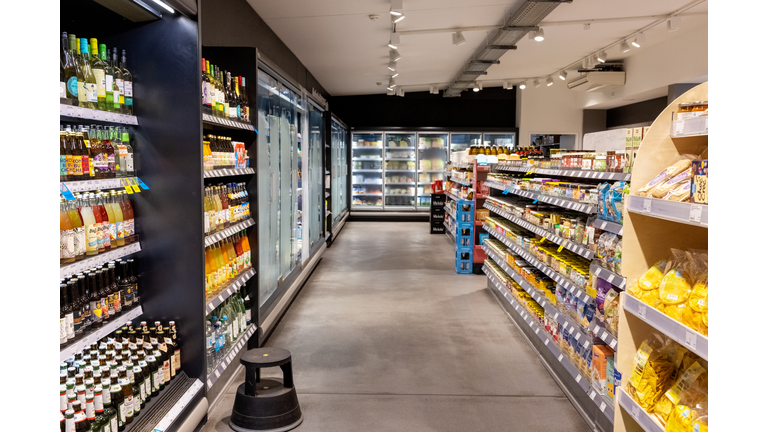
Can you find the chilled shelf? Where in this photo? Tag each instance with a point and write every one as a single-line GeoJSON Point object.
{"type": "Point", "coordinates": [113, 324]}
{"type": "Point", "coordinates": [679, 332]}
{"type": "Point", "coordinates": [355, 170]}
{"type": "Point", "coordinates": [213, 238]}
{"type": "Point", "coordinates": [431, 171]}
{"type": "Point", "coordinates": [573, 205]}
{"type": "Point", "coordinates": [686, 213]}
{"type": "Point", "coordinates": [366, 147]}
{"type": "Point", "coordinates": [400, 170]}
{"type": "Point", "coordinates": [79, 266]}
{"type": "Point", "coordinates": [193, 387]}
{"type": "Point", "coordinates": [92, 185]}
{"type": "Point", "coordinates": [399, 195]}
{"type": "Point", "coordinates": [402, 159]}
{"type": "Point", "coordinates": [609, 226]}
{"type": "Point", "coordinates": [643, 419]}
{"type": "Point", "coordinates": [612, 278]}
{"type": "Point", "coordinates": [367, 159]}
{"type": "Point", "coordinates": [366, 194]}
{"type": "Point", "coordinates": [400, 148]}
{"type": "Point", "coordinates": [593, 175]}
{"type": "Point", "coordinates": [228, 290]}
{"type": "Point", "coordinates": [92, 114]}
{"type": "Point", "coordinates": [564, 282]}
{"type": "Point", "coordinates": [233, 124]}
{"type": "Point", "coordinates": [232, 354]}
{"type": "Point", "coordinates": [571, 246]}
{"type": "Point", "coordinates": [462, 166]}
{"type": "Point", "coordinates": [228, 172]}
{"type": "Point", "coordinates": [401, 184]}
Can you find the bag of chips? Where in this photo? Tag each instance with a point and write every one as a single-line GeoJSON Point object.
{"type": "Point", "coordinates": [646, 289]}
{"type": "Point", "coordinates": [653, 370]}
{"type": "Point", "coordinates": [696, 312]}
{"type": "Point", "coordinates": [690, 388]}
{"type": "Point", "coordinates": [676, 285]}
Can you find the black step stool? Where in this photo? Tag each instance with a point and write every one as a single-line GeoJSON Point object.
{"type": "Point", "coordinates": [268, 405]}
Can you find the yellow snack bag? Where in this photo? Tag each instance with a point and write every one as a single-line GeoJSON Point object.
{"type": "Point", "coordinates": [687, 388]}
{"type": "Point", "coordinates": [647, 287]}
{"type": "Point", "coordinates": [653, 370]}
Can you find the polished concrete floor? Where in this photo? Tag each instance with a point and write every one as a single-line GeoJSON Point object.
{"type": "Point", "coordinates": [385, 336]}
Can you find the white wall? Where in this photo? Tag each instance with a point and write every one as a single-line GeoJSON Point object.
{"type": "Point", "coordinates": [549, 110]}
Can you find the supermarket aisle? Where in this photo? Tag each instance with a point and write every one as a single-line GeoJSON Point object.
{"type": "Point", "coordinates": [386, 336]}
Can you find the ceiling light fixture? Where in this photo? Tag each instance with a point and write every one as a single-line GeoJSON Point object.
{"type": "Point", "coordinates": [673, 23]}
{"type": "Point", "coordinates": [391, 83]}
{"type": "Point", "coordinates": [401, 92]}
{"type": "Point", "coordinates": [639, 40]}
{"type": "Point", "coordinates": [601, 56]}
{"type": "Point", "coordinates": [539, 35]}
{"type": "Point", "coordinates": [458, 38]}
{"type": "Point", "coordinates": [624, 46]}
{"type": "Point", "coordinates": [397, 19]}
{"type": "Point", "coordinates": [562, 75]}
{"type": "Point", "coordinates": [394, 55]}
{"type": "Point", "coordinates": [394, 40]}
{"type": "Point", "coordinates": [390, 92]}
{"type": "Point", "coordinates": [550, 81]}
{"type": "Point", "coordinates": [396, 8]}
{"type": "Point", "coordinates": [395, 74]}
{"type": "Point", "coordinates": [523, 85]}
{"type": "Point", "coordinates": [536, 83]}
{"type": "Point", "coordinates": [392, 66]}
{"type": "Point", "coordinates": [476, 88]}
{"type": "Point", "coordinates": [434, 90]}
{"type": "Point", "coordinates": [165, 6]}
{"type": "Point", "coordinates": [585, 63]}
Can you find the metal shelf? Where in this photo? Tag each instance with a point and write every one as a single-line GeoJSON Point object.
{"type": "Point", "coordinates": [603, 334]}
{"type": "Point", "coordinates": [679, 332]}
{"type": "Point", "coordinates": [228, 290]}
{"type": "Point", "coordinates": [113, 324]}
{"type": "Point", "coordinates": [92, 114]}
{"type": "Point", "coordinates": [401, 159]}
{"type": "Point", "coordinates": [403, 184]}
{"type": "Point", "coordinates": [609, 226]}
{"type": "Point", "coordinates": [571, 246]}
{"type": "Point", "coordinates": [587, 175]}
{"type": "Point", "coordinates": [612, 278]}
{"type": "Point", "coordinates": [213, 238]}
{"type": "Point", "coordinates": [92, 185]}
{"type": "Point", "coordinates": [366, 159]}
{"type": "Point", "coordinates": [450, 212]}
{"type": "Point", "coordinates": [365, 170]}
{"type": "Point", "coordinates": [178, 408]}
{"type": "Point", "coordinates": [78, 266]}
{"type": "Point", "coordinates": [464, 182]}
{"type": "Point", "coordinates": [452, 196]}
{"type": "Point", "coordinates": [584, 208]}
{"type": "Point", "coordinates": [686, 213]}
{"type": "Point", "coordinates": [366, 194]}
{"type": "Point", "coordinates": [228, 172]}
{"type": "Point", "coordinates": [463, 166]}
{"type": "Point", "coordinates": [448, 230]}
{"type": "Point", "coordinates": [502, 262]}
{"type": "Point", "coordinates": [232, 354]}
{"type": "Point", "coordinates": [643, 419]}
{"type": "Point", "coordinates": [232, 124]}
{"type": "Point", "coordinates": [400, 148]}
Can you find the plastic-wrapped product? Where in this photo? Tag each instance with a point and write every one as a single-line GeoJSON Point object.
{"type": "Point", "coordinates": [617, 257]}
{"type": "Point", "coordinates": [675, 287]}
{"type": "Point", "coordinates": [696, 312]}
{"type": "Point", "coordinates": [653, 369]}
{"type": "Point", "coordinates": [678, 167]}
{"type": "Point", "coordinates": [646, 289]}
{"type": "Point", "coordinates": [611, 311]}
{"type": "Point", "coordinates": [690, 388]}
{"type": "Point", "coordinates": [661, 190]}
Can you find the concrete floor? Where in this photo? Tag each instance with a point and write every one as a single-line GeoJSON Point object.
{"type": "Point", "coordinates": [385, 336]}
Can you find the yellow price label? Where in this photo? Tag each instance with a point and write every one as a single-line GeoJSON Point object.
{"type": "Point", "coordinates": [560, 249]}
{"type": "Point", "coordinates": [543, 239]}
{"type": "Point", "coordinates": [529, 173]}
{"type": "Point", "coordinates": [136, 188]}
{"type": "Point", "coordinates": [128, 189]}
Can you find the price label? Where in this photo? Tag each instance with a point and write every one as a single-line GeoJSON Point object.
{"type": "Point", "coordinates": [613, 344]}
{"type": "Point", "coordinates": [602, 407]}
{"type": "Point", "coordinates": [690, 339]}
{"type": "Point", "coordinates": [578, 378]}
{"type": "Point", "coordinates": [695, 214]}
{"type": "Point", "coordinates": [556, 315]}
{"type": "Point", "coordinates": [586, 344]}
{"type": "Point", "coordinates": [141, 183]}
{"type": "Point", "coordinates": [560, 249]}
{"type": "Point", "coordinates": [610, 278]}
{"type": "Point", "coordinates": [592, 394]}
{"type": "Point", "coordinates": [546, 342]}
{"type": "Point", "coordinates": [135, 188]}
{"type": "Point", "coordinates": [560, 358]}
{"type": "Point", "coordinates": [128, 189]}
{"type": "Point", "coordinates": [578, 336]}
{"type": "Point", "coordinates": [64, 190]}
{"type": "Point", "coordinates": [635, 411]}
{"type": "Point", "coordinates": [537, 331]}
{"type": "Point", "coordinates": [647, 205]}
{"type": "Point", "coordinates": [641, 310]}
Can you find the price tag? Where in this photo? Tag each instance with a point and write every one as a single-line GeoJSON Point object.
{"type": "Point", "coordinates": [578, 336]}
{"type": "Point", "coordinates": [613, 344]}
{"type": "Point", "coordinates": [578, 378]}
{"type": "Point", "coordinates": [690, 339]}
{"type": "Point", "coordinates": [560, 358]}
{"type": "Point", "coordinates": [505, 192]}
{"type": "Point", "coordinates": [141, 183]}
{"type": "Point", "coordinates": [635, 411]}
{"type": "Point", "coordinates": [546, 342]}
{"type": "Point", "coordinates": [695, 215]}
{"type": "Point", "coordinates": [556, 315]}
{"type": "Point", "coordinates": [592, 394]}
{"type": "Point", "coordinates": [647, 205]}
{"type": "Point", "coordinates": [537, 331]}
{"type": "Point", "coordinates": [610, 278]}
{"type": "Point", "coordinates": [641, 310]}
{"type": "Point", "coordinates": [134, 186]}
{"type": "Point", "coordinates": [602, 406]}
{"type": "Point", "coordinates": [586, 344]}
{"type": "Point", "coordinates": [604, 335]}
{"type": "Point", "coordinates": [560, 249]}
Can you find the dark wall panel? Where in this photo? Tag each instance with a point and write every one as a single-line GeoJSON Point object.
{"type": "Point", "coordinates": [234, 23]}
{"type": "Point", "coordinates": [640, 112]}
{"type": "Point", "coordinates": [492, 108]}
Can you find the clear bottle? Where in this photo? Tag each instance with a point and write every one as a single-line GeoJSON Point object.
{"type": "Point", "coordinates": [119, 223]}
{"type": "Point", "coordinates": [89, 96]}
{"type": "Point", "coordinates": [126, 154]}
{"type": "Point", "coordinates": [66, 235]}
{"type": "Point", "coordinates": [78, 229]}
{"type": "Point", "coordinates": [209, 346]}
{"type": "Point", "coordinates": [112, 229]}
{"type": "Point", "coordinates": [218, 333]}
{"type": "Point", "coordinates": [99, 67]}
{"type": "Point", "coordinates": [92, 227]}
{"type": "Point", "coordinates": [128, 84]}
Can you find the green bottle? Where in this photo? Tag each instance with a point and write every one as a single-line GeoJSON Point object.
{"type": "Point", "coordinates": [89, 96]}
{"type": "Point", "coordinates": [99, 68]}
{"type": "Point", "coordinates": [118, 100]}
{"type": "Point", "coordinates": [128, 85]}
{"type": "Point", "coordinates": [110, 84]}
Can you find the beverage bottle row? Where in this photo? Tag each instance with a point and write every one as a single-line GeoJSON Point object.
{"type": "Point", "coordinates": [223, 153]}
{"type": "Point", "coordinates": [224, 326]}
{"type": "Point", "coordinates": [225, 260]}
{"type": "Point", "coordinates": [90, 77]}
{"type": "Point", "coordinates": [93, 224]}
{"type": "Point", "coordinates": [96, 297]}
{"type": "Point", "coordinates": [95, 152]}
{"type": "Point", "coordinates": [225, 205]}
{"type": "Point", "coordinates": [105, 387]}
{"type": "Point", "coordinates": [224, 96]}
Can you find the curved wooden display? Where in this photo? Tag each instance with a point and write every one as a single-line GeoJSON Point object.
{"type": "Point", "coordinates": [647, 239]}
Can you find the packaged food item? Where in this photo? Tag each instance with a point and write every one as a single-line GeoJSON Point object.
{"type": "Point", "coordinates": [610, 389]}
{"type": "Point", "coordinates": [599, 372]}
{"type": "Point", "coordinates": [675, 287]}
{"type": "Point", "coordinates": [611, 311]}
{"type": "Point", "coordinates": [666, 186]}
{"type": "Point", "coordinates": [647, 287]}
{"type": "Point", "coordinates": [681, 193]}
{"type": "Point", "coordinates": [653, 369]}
{"type": "Point", "coordinates": [617, 257]}
{"type": "Point", "coordinates": [696, 312]}
{"type": "Point", "coordinates": [700, 182]}
{"type": "Point", "coordinates": [665, 174]}
{"type": "Point", "coordinates": [689, 389]}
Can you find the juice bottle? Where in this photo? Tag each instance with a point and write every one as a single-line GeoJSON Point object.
{"type": "Point", "coordinates": [231, 258]}
{"type": "Point", "coordinates": [92, 227]}
{"type": "Point", "coordinates": [226, 258]}
{"type": "Point", "coordinates": [125, 205]}
{"type": "Point", "coordinates": [209, 219]}
{"type": "Point", "coordinates": [78, 228]}
{"type": "Point", "coordinates": [66, 235]}
{"type": "Point", "coordinates": [94, 208]}
{"type": "Point", "coordinates": [225, 205]}
{"type": "Point", "coordinates": [219, 265]}
{"type": "Point", "coordinates": [239, 250]}
{"type": "Point", "coordinates": [208, 272]}
{"type": "Point", "coordinates": [246, 249]}
{"type": "Point", "coordinates": [119, 224]}
{"type": "Point", "coordinates": [217, 203]}
{"type": "Point", "coordinates": [107, 224]}
{"type": "Point", "coordinates": [107, 203]}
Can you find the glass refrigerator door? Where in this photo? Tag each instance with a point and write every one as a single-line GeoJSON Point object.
{"type": "Point", "coordinates": [343, 166]}
{"type": "Point", "coordinates": [367, 171]}
{"type": "Point", "coordinates": [499, 140]}
{"type": "Point", "coordinates": [314, 214]}
{"type": "Point", "coordinates": [400, 172]}
{"type": "Point", "coordinates": [462, 141]}
{"type": "Point", "coordinates": [338, 176]}
{"type": "Point", "coordinates": [278, 178]}
{"type": "Point", "coordinates": [433, 153]}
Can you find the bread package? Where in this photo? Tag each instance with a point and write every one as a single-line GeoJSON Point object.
{"type": "Point", "coordinates": [684, 178]}
{"type": "Point", "coordinates": [666, 174]}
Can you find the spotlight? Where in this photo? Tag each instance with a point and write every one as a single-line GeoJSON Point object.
{"type": "Point", "coordinates": [392, 66]}
{"type": "Point", "coordinates": [585, 63]}
{"type": "Point", "coordinates": [397, 19]}
{"type": "Point", "coordinates": [595, 60]}
{"type": "Point", "coordinates": [390, 92]}
{"type": "Point", "coordinates": [395, 74]}
{"type": "Point", "coordinates": [539, 35]}
{"type": "Point", "coordinates": [394, 55]}
{"type": "Point", "coordinates": [434, 90]}
{"type": "Point", "coordinates": [391, 83]}
{"type": "Point", "coordinates": [639, 40]}
{"type": "Point", "coordinates": [396, 8]}
{"type": "Point", "coordinates": [673, 24]}
{"type": "Point", "coordinates": [562, 75]}
{"type": "Point", "coordinates": [523, 85]}
{"type": "Point", "coordinates": [504, 85]}
{"type": "Point", "coordinates": [394, 40]}
{"type": "Point", "coordinates": [624, 46]}
{"type": "Point", "coordinates": [536, 83]}
{"type": "Point", "coordinates": [476, 88]}
{"type": "Point", "coordinates": [601, 56]}
{"type": "Point", "coordinates": [549, 81]}
{"type": "Point", "coordinates": [458, 38]}
{"type": "Point", "coordinates": [165, 6]}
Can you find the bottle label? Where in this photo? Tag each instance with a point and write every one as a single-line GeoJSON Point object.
{"type": "Point", "coordinates": [66, 244]}
{"type": "Point", "coordinates": [77, 322]}
{"type": "Point", "coordinates": [104, 308]}
{"type": "Point", "coordinates": [136, 405]}
{"type": "Point", "coordinates": [129, 163]}
{"type": "Point", "coordinates": [121, 413]}
{"type": "Point", "coordinates": [112, 424]}
{"type": "Point", "coordinates": [63, 333]}
{"type": "Point", "coordinates": [62, 90]}
{"type": "Point", "coordinates": [100, 161]}
{"type": "Point", "coordinates": [101, 82]}
{"type": "Point", "coordinates": [143, 390]}
{"type": "Point", "coordinates": [97, 312]}
{"type": "Point", "coordinates": [205, 93]}
{"type": "Point", "coordinates": [90, 90]}
{"type": "Point", "coordinates": [128, 91]}
{"type": "Point", "coordinates": [77, 165]}
{"type": "Point", "coordinates": [92, 237]}
{"type": "Point", "coordinates": [128, 406]}
{"type": "Point", "coordinates": [113, 231]}
{"type": "Point", "coordinates": [121, 85]}
{"type": "Point", "coordinates": [177, 359]}
{"type": "Point", "coordinates": [111, 162]}
{"type": "Point", "coordinates": [108, 83]}
{"type": "Point", "coordinates": [72, 86]}
{"type": "Point", "coordinates": [80, 416]}
{"type": "Point", "coordinates": [86, 165]}
{"type": "Point", "coordinates": [128, 101]}
{"type": "Point", "coordinates": [130, 226]}
{"type": "Point", "coordinates": [62, 165]}
{"type": "Point", "coordinates": [147, 386]}
{"type": "Point", "coordinates": [79, 241]}
{"type": "Point", "coordinates": [119, 229]}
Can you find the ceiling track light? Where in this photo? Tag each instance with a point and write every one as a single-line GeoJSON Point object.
{"type": "Point", "coordinates": [523, 85]}
{"type": "Point", "coordinates": [639, 40]}
{"type": "Point", "coordinates": [390, 91]}
{"type": "Point", "coordinates": [505, 85]}
{"type": "Point", "coordinates": [562, 75]}
{"type": "Point", "coordinates": [458, 38]}
{"type": "Point", "coordinates": [602, 56]}
{"type": "Point", "coordinates": [550, 81]}
{"type": "Point", "coordinates": [396, 19]}
{"type": "Point", "coordinates": [392, 66]}
{"type": "Point", "coordinates": [476, 88]}
{"type": "Point", "coordinates": [536, 83]}
{"type": "Point", "coordinates": [396, 8]}
{"type": "Point", "coordinates": [395, 74]}
{"type": "Point", "coordinates": [394, 55]}
{"type": "Point", "coordinates": [585, 63]}
{"type": "Point", "coordinates": [538, 36]}
{"type": "Point", "coordinates": [624, 46]}
{"type": "Point", "coordinates": [394, 40]}
{"type": "Point", "coordinates": [165, 6]}
{"type": "Point", "coordinates": [391, 83]}
{"type": "Point", "coordinates": [673, 23]}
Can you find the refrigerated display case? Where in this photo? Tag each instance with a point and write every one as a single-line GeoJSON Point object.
{"type": "Point", "coordinates": [338, 197]}
{"type": "Point", "coordinates": [461, 141]}
{"type": "Point", "coordinates": [367, 172]}
{"type": "Point", "coordinates": [432, 152]}
{"type": "Point", "coordinates": [400, 171]}
{"type": "Point", "coordinates": [314, 214]}
{"type": "Point", "coordinates": [499, 140]}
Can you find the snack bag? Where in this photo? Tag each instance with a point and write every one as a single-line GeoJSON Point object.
{"type": "Point", "coordinates": [611, 311]}
{"type": "Point", "coordinates": [666, 174]}
{"type": "Point", "coordinates": [695, 314]}
{"type": "Point", "coordinates": [689, 387]}
{"type": "Point", "coordinates": [647, 287]}
{"type": "Point", "coordinates": [676, 285]}
{"type": "Point", "coordinates": [617, 258]}
{"type": "Point", "coordinates": [653, 370]}
{"type": "Point", "coordinates": [684, 178]}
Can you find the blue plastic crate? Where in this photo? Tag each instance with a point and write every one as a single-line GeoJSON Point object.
{"type": "Point", "coordinates": [464, 234]}
{"type": "Point", "coordinates": [463, 260]}
{"type": "Point", "coordinates": [465, 211]}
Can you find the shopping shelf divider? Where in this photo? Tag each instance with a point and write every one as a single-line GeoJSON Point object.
{"type": "Point", "coordinates": [99, 333]}
{"type": "Point", "coordinates": [231, 354]}
{"type": "Point", "coordinates": [571, 246]}
{"type": "Point", "coordinates": [609, 226]}
{"type": "Point", "coordinates": [643, 419]}
{"type": "Point", "coordinates": [221, 235]}
{"type": "Point", "coordinates": [679, 332]}
{"type": "Point", "coordinates": [228, 290]}
{"type": "Point", "coordinates": [78, 266]}
{"type": "Point", "coordinates": [595, 175]}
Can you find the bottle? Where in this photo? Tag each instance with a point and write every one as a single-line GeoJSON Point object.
{"type": "Point", "coordinates": [99, 153]}
{"type": "Point", "coordinates": [63, 319]}
{"type": "Point", "coordinates": [102, 219]}
{"type": "Point", "coordinates": [112, 230]}
{"type": "Point", "coordinates": [110, 414]}
{"type": "Point", "coordinates": [81, 420]}
{"type": "Point", "coordinates": [209, 346]}
{"type": "Point", "coordinates": [218, 340]}
{"type": "Point", "coordinates": [117, 295]}
{"type": "Point", "coordinates": [90, 412]}
{"type": "Point", "coordinates": [225, 93]}
{"type": "Point", "coordinates": [236, 88]}
{"type": "Point", "coordinates": [95, 300]}
{"type": "Point", "coordinates": [127, 390]}
{"type": "Point", "coordinates": [89, 96]}
{"type": "Point", "coordinates": [107, 142]}
{"type": "Point", "coordinates": [206, 89]}
{"type": "Point", "coordinates": [126, 154]}
{"type": "Point", "coordinates": [162, 345]}
{"type": "Point", "coordinates": [153, 368]}
{"type": "Point", "coordinates": [63, 175]}
{"type": "Point", "coordinates": [119, 80]}
{"type": "Point", "coordinates": [124, 285]}
{"type": "Point", "coordinates": [85, 308]}
{"type": "Point", "coordinates": [128, 105]}
{"type": "Point", "coordinates": [133, 280]}
{"type": "Point", "coordinates": [176, 346]}
{"type": "Point", "coordinates": [117, 211]}
{"type": "Point", "coordinates": [66, 235]}
{"type": "Point", "coordinates": [105, 297]}
{"type": "Point", "coordinates": [108, 224]}
{"type": "Point", "coordinates": [100, 73]}
{"type": "Point", "coordinates": [84, 154]}
{"type": "Point", "coordinates": [135, 376]}
{"type": "Point", "coordinates": [116, 138]}
{"type": "Point", "coordinates": [109, 80]}
{"type": "Point", "coordinates": [244, 95]}
{"type": "Point", "coordinates": [118, 403]}
{"type": "Point", "coordinates": [146, 382]}
{"type": "Point", "coordinates": [231, 99]}
{"type": "Point", "coordinates": [68, 84]}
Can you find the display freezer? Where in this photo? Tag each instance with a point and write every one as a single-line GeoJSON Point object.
{"type": "Point", "coordinates": [432, 152]}
{"type": "Point", "coordinates": [367, 171]}
{"type": "Point", "coordinates": [338, 199]}
{"type": "Point", "coordinates": [400, 171]}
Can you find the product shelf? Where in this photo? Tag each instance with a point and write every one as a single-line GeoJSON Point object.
{"type": "Point", "coordinates": [228, 172]}
{"type": "Point", "coordinates": [193, 387]}
{"type": "Point", "coordinates": [533, 292]}
{"type": "Point", "coordinates": [226, 123]}
{"type": "Point", "coordinates": [431, 171]}
{"type": "Point", "coordinates": [224, 293]}
{"type": "Point", "coordinates": [587, 175]}
{"type": "Point", "coordinates": [450, 212]}
{"type": "Point", "coordinates": [366, 147]}
{"type": "Point", "coordinates": [609, 226]}
{"type": "Point", "coordinates": [679, 332]}
{"type": "Point", "coordinates": [560, 202]}
{"type": "Point", "coordinates": [78, 266]}
{"type": "Point", "coordinates": [562, 281]}
{"type": "Point", "coordinates": [612, 278]}
{"type": "Point", "coordinates": [231, 354]}
{"type": "Point", "coordinates": [461, 166]}
{"type": "Point", "coordinates": [401, 159]}
{"type": "Point", "coordinates": [604, 406]}
{"type": "Point", "coordinates": [92, 114]}
{"type": "Point", "coordinates": [399, 184]}
{"type": "Point", "coordinates": [92, 185]}
{"type": "Point", "coordinates": [400, 148]}
{"type": "Point", "coordinates": [464, 182]}
{"type": "Point", "coordinates": [114, 324]}
{"type": "Point", "coordinates": [643, 419]}
{"type": "Point", "coordinates": [452, 196]}
{"type": "Point", "coordinates": [603, 334]}
{"type": "Point", "coordinates": [686, 213]}
{"type": "Point", "coordinates": [571, 246]}
{"type": "Point", "coordinates": [367, 159]}
{"type": "Point", "coordinates": [365, 170]}
{"type": "Point", "coordinates": [366, 194]}
{"type": "Point", "coordinates": [213, 238]}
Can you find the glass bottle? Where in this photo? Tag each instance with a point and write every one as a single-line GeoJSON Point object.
{"type": "Point", "coordinates": [68, 93]}
{"type": "Point", "coordinates": [89, 96]}
{"type": "Point", "coordinates": [128, 87]}
{"type": "Point", "coordinates": [133, 280]}
{"type": "Point", "coordinates": [110, 415]}
{"type": "Point", "coordinates": [126, 154]}
{"type": "Point", "coordinates": [127, 390]}
{"type": "Point", "coordinates": [206, 83]}
{"type": "Point", "coordinates": [100, 73]}
{"type": "Point", "coordinates": [117, 211]}
{"type": "Point", "coordinates": [63, 315]}
{"type": "Point", "coordinates": [81, 420]}
{"type": "Point", "coordinates": [66, 235]}
{"type": "Point", "coordinates": [118, 402]}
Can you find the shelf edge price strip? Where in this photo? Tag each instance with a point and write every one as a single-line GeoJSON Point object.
{"type": "Point", "coordinates": [224, 364]}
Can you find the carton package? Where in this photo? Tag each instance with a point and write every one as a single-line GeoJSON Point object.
{"type": "Point", "coordinates": [600, 355]}
{"type": "Point", "coordinates": [609, 372]}
{"type": "Point", "coordinates": [700, 182]}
